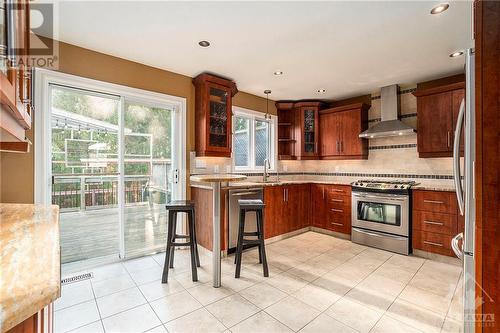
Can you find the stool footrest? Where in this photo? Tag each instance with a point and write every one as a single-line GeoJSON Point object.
{"type": "Point", "coordinates": [251, 233]}
{"type": "Point", "coordinates": [251, 242]}
{"type": "Point", "coordinates": [181, 244]}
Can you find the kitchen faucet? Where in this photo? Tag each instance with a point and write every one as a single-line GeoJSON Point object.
{"type": "Point", "coordinates": [267, 166]}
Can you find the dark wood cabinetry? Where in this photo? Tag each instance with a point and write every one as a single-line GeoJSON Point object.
{"type": "Point", "coordinates": [331, 207]}
{"type": "Point", "coordinates": [213, 116]}
{"type": "Point", "coordinates": [438, 104]}
{"type": "Point", "coordinates": [339, 132]}
{"type": "Point", "coordinates": [15, 77]}
{"type": "Point", "coordinates": [287, 209]}
{"type": "Point", "coordinates": [286, 131]}
{"type": "Point", "coordinates": [307, 130]}
{"type": "Point", "coordinates": [435, 221]}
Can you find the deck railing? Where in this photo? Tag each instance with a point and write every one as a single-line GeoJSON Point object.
{"type": "Point", "coordinates": [84, 192]}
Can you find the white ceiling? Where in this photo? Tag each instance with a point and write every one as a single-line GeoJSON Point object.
{"type": "Point", "coordinates": [348, 48]}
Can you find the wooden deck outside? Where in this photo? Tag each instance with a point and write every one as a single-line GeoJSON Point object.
{"type": "Point", "coordinates": [95, 233]}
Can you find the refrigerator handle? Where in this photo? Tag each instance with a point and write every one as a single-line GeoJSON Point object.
{"type": "Point", "coordinates": [456, 158]}
{"type": "Point", "coordinates": [455, 247]}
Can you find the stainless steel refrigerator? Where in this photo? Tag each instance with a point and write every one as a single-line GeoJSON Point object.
{"type": "Point", "coordinates": [464, 186]}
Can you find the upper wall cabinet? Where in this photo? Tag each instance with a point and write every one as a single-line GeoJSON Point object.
{"type": "Point", "coordinates": [306, 130]}
{"type": "Point", "coordinates": [438, 104]}
{"type": "Point", "coordinates": [15, 77]}
{"type": "Point", "coordinates": [286, 131]}
{"type": "Point", "coordinates": [339, 132]}
{"type": "Point", "coordinates": [213, 116]}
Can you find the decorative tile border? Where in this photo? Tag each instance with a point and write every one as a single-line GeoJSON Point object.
{"type": "Point", "coordinates": [401, 92]}
{"type": "Point", "coordinates": [408, 145]}
{"type": "Point", "coordinates": [77, 278]}
{"type": "Point", "coordinates": [354, 174]}
{"type": "Point", "coordinates": [409, 115]}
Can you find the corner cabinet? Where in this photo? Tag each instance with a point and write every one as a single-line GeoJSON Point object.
{"type": "Point", "coordinates": [15, 76]}
{"type": "Point", "coordinates": [307, 130]}
{"type": "Point", "coordinates": [339, 132]}
{"type": "Point", "coordinates": [286, 131]}
{"type": "Point", "coordinates": [438, 104]}
{"type": "Point", "coordinates": [213, 115]}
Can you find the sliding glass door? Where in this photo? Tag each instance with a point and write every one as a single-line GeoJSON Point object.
{"type": "Point", "coordinates": [112, 167]}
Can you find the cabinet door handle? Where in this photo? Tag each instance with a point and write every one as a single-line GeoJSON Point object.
{"type": "Point", "coordinates": [433, 223]}
{"type": "Point", "coordinates": [336, 190]}
{"type": "Point", "coordinates": [337, 210]}
{"type": "Point", "coordinates": [337, 200]}
{"type": "Point", "coordinates": [434, 202]}
{"type": "Point", "coordinates": [341, 146]}
{"type": "Point", "coordinates": [337, 145]}
{"type": "Point", "coordinates": [339, 224]}
{"type": "Point", "coordinates": [448, 139]}
{"type": "Point", "coordinates": [284, 194]}
{"type": "Point", "coordinates": [323, 193]}
{"type": "Point", "coordinates": [433, 244]}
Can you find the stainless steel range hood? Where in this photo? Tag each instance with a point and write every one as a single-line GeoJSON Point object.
{"type": "Point", "coordinates": [390, 124]}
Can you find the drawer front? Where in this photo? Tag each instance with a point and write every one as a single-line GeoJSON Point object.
{"type": "Point", "coordinates": [432, 242]}
{"type": "Point", "coordinates": [336, 191]}
{"type": "Point", "coordinates": [339, 220]}
{"type": "Point", "coordinates": [434, 201]}
{"type": "Point", "coordinates": [435, 222]}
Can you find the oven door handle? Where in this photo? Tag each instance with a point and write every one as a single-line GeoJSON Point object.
{"type": "Point", "coordinates": [364, 196]}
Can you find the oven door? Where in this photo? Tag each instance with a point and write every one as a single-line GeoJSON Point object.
{"type": "Point", "coordinates": [381, 212]}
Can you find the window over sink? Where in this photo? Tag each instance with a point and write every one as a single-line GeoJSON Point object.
{"type": "Point", "coordinates": [253, 140]}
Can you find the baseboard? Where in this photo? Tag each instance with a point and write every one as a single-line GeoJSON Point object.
{"type": "Point", "coordinates": [437, 257]}
{"type": "Point", "coordinates": [287, 235]}
{"type": "Point", "coordinates": [331, 233]}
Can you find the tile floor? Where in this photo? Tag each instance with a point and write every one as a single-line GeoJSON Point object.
{"type": "Point", "coordinates": [317, 283]}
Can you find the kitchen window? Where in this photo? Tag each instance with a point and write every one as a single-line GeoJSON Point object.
{"type": "Point", "coordinates": [253, 140]}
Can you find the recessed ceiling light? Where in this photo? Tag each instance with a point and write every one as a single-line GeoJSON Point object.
{"type": "Point", "coordinates": [321, 91]}
{"type": "Point", "coordinates": [440, 8]}
{"type": "Point", "coordinates": [278, 73]}
{"type": "Point", "coordinates": [204, 43]}
{"type": "Point", "coordinates": [456, 54]}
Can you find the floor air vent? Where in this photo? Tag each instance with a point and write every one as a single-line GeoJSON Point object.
{"type": "Point", "coordinates": [76, 278]}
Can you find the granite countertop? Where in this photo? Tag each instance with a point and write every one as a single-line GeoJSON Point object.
{"type": "Point", "coordinates": [251, 184]}
{"type": "Point", "coordinates": [30, 261]}
{"type": "Point", "coordinates": [223, 177]}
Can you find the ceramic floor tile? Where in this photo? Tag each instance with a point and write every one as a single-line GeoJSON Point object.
{"type": "Point", "coordinates": [335, 283]}
{"type": "Point", "coordinates": [439, 286]}
{"type": "Point", "coordinates": [157, 329]}
{"type": "Point", "coordinates": [155, 290]}
{"type": "Point", "coordinates": [147, 275]}
{"type": "Point", "coordinates": [263, 295]}
{"type": "Point", "coordinates": [355, 315]}
{"type": "Point", "coordinates": [293, 313]}
{"type": "Point", "coordinates": [317, 297]}
{"type": "Point", "coordinates": [231, 310]}
{"type": "Point", "coordinates": [95, 327]}
{"type": "Point", "coordinates": [308, 271]}
{"type": "Point", "coordinates": [286, 282]}
{"type": "Point", "coordinates": [140, 264]}
{"type": "Point", "coordinates": [326, 324]}
{"type": "Point", "coordinates": [108, 271]}
{"type": "Point", "coordinates": [120, 301]}
{"type": "Point", "coordinates": [382, 284]}
{"type": "Point", "coordinates": [262, 323]}
{"type": "Point", "coordinates": [238, 284]}
{"type": "Point", "coordinates": [112, 285]}
{"type": "Point", "coordinates": [75, 316]}
{"type": "Point", "coordinates": [174, 306]}
{"type": "Point", "coordinates": [206, 294]}
{"type": "Point", "coordinates": [378, 300]}
{"type": "Point", "coordinates": [186, 278]}
{"type": "Point", "coordinates": [387, 324]}
{"type": "Point", "coordinates": [426, 299]}
{"type": "Point", "coordinates": [139, 319]}
{"type": "Point", "coordinates": [452, 326]}
{"type": "Point", "coordinates": [74, 293]}
{"type": "Point", "coordinates": [410, 314]}
{"type": "Point", "coordinates": [199, 321]}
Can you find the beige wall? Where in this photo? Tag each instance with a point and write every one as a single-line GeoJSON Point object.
{"type": "Point", "coordinates": [16, 170]}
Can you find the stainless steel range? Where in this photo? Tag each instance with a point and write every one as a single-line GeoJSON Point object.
{"type": "Point", "coordinates": [381, 214]}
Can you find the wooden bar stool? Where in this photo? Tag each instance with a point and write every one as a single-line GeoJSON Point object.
{"type": "Point", "coordinates": [256, 206]}
{"type": "Point", "coordinates": [174, 207]}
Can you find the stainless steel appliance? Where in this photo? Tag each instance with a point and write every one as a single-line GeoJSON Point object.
{"type": "Point", "coordinates": [234, 213]}
{"type": "Point", "coordinates": [381, 214]}
{"type": "Point", "coordinates": [465, 194]}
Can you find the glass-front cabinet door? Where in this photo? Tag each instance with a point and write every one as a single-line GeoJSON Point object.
{"type": "Point", "coordinates": [218, 119]}
{"type": "Point", "coordinates": [310, 131]}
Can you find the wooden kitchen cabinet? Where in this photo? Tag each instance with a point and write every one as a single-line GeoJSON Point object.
{"type": "Point", "coordinates": [286, 131]}
{"type": "Point", "coordinates": [15, 77]}
{"type": "Point", "coordinates": [339, 132]}
{"type": "Point", "coordinates": [331, 207]}
{"type": "Point", "coordinates": [213, 116]}
{"type": "Point", "coordinates": [435, 221]}
{"type": "Point", "coordinates": [438, 104]}
{"type": "Point", "coordinates": [318, 206]}
{"type": "Point", "coordinates": [306, 132]}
